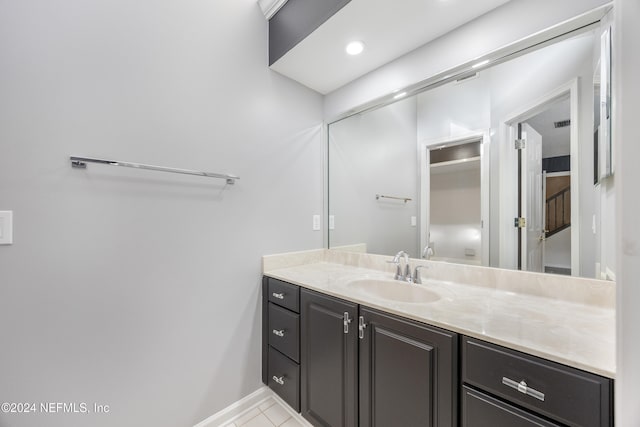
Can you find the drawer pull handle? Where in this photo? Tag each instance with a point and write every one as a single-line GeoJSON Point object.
{"type": "Point", "coordinates": [523, 388]}
{"type": "Point", "coordinates": [279, 380]}
{"type": "Point", "coordinates": [361, 326]}
{"type": "Point", "coordinates": [279, 333]}
{"type": "Point", "coordinates": [346, 321]}
{"type": "Point", "coordinates": [278, 295]}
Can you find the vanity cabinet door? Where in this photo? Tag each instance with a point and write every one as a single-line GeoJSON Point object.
{"type": "Point", "coordinates": [329, 357]}
{"type": "Point", "coordinates": [408, 372]}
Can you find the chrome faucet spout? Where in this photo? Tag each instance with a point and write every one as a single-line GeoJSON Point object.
{"type": "Point", "coordinates": [400, 274]}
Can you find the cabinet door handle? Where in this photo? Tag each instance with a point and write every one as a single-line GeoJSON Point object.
{"type": "Point", "coordinates": [278, 295]}
{"type": "Point", "coordinates": [278, 332]}
{"type": "Point", "coordinates": [361, 326]}
{"type": "Point", "coordinates": [346, 321]}
{"type": "Point", "coordinates": [279, 380]}
{"type": "Point", "coordinates": [523, 388]}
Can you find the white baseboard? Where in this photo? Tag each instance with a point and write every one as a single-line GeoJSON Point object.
{"type": "Point", "coordinates": [227, 415]}
{"type": "Point", "coordinates": [293, 413]}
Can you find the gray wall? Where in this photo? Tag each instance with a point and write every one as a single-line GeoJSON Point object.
{"type": "Point", "coordinates": [136, 289]}
{"type": "Point", "coordinates": [369, 154]}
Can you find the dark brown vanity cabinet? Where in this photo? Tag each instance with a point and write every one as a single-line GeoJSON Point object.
{"type": "Point", "coordinates": [345, 365]}
{"type": "Point", "coordinates": [329, 366]}
{"type": "Point", "coordinates": [506, 387]}
{"type": "Point", "coordinates": [363, 367]}
{"type": "Point", "coordinates": [408, 372]}
{"type": "Point", "coordinates": [281, 339]}
{"type": "Point", "coordinates": [481, 409]}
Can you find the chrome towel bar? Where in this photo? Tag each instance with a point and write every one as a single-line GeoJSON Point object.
{"type": "Point", "coordinates": [380, 196]}
{"type": "Point", "coordinates": [81, 163]}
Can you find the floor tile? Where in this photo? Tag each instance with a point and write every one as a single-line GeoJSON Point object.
{"type": "Point", "coordinates": [266, 404]}
{"type": "Point", "coordinates": [242, 419]}
{"type": "Point", "coordinates": [259, 421]}
{"type": "Point", "coordinates": [277, 414]}
{"type": "Point", "coordinates": [231, 425]}
{"type": "Point", "coordinates": [291, 422]}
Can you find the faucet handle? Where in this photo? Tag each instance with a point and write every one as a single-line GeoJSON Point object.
{"type": "Point", "coordinates": [407, 273]}
{"type": "Point", "coordinates": [427, 252]}
{"type": "Point", "coordinates": [416, 274]}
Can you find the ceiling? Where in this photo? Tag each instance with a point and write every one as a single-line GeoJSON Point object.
{"type": "Point", "coordinates": [389, 30]}
{"type": "Point", "coordinates": [555, 141]}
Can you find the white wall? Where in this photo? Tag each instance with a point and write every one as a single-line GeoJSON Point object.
{"type": "Point", "coordinates": [136, 289]}
{"type": "Point", "coordinates": [454, 110]}
{"type": "Point", "coordinates": [369, 154]}
{"type": "Point", "coordinates": [627, 152]}
{"type": "Point", "coordinates": [455, 228]}
{"type": "Point", "coordinates": [557, 249]}
{"type": "Point", "coordinates": [502, 26]}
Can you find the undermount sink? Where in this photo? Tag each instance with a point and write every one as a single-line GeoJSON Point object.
{"type": "Point", "coordinates": [394, 290]}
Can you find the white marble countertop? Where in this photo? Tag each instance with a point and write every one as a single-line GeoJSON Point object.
{"type": "Point", "coordinates": [571, 333]}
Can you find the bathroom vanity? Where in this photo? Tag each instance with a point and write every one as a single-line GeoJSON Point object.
{"type": "Point", "coordinates": [349, 346]}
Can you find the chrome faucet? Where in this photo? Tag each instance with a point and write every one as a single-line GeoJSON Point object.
{"type": "Point", "coordinates": [427, 252]}
{"type": "Point", "coordinates": [400, 275]}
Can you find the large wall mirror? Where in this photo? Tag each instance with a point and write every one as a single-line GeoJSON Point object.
{"type": "Point", "coordinates": [494, 168]}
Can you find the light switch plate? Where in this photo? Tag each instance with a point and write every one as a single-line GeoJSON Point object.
{"type": "Point", "coordinates": [332, 222]}
{"type": "Point", "coordinates": [6, 227]}
{"type": "Point", "coordinates": [316, 223]}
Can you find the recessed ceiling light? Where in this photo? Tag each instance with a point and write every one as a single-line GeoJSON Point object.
{"type": "Point", "coordinates": [400, 95]}
{"type": "Point", "coordinates": [480, 64]}
{"type": "Point", "coordinates": [355, 48]}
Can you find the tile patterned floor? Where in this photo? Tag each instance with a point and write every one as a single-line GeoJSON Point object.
{"type": "Point", "coordinates": [269, 413]}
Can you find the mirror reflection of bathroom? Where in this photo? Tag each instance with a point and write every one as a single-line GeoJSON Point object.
{"type": "Point", "coordinates": [545, 176]}
{"type": "Point", "coordinates": [454, 225]}
{"type": "Point", "coordinates": [567, 222]}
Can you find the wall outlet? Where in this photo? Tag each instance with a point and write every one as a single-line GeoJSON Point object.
{"type": "Point", "coordinates": [332, 222]}
{"type": "Point", "coordinates": [316, 223]}
{"type": "Point", "coordinates": [6, 227]}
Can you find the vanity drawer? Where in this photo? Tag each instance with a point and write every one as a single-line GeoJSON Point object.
{"type": "Point", "coordinates": [284, 331]}
{"type": "Point", "coordinates": [284, 294]}
{"type": "Point", "coordinates": [565, 394]}
{"type": "Point", "coordinates": [284, 378]}
{"type": "Point", "coordinates": [481, 410]}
